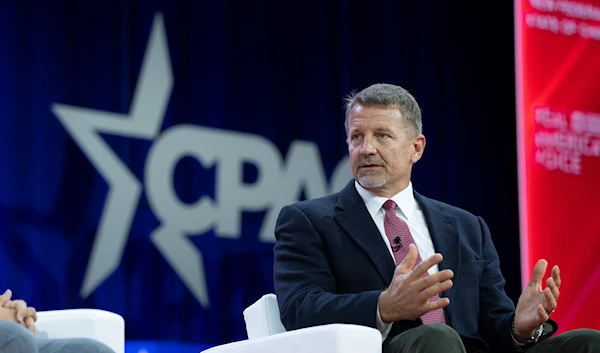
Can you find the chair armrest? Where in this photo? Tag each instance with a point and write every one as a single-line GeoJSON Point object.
{"type": "Point", "coordinates": [262, 318]}
{"type": "Point", "coordinates": [103, 326]}
{"type": "Point", "coordinates": [332, 338]}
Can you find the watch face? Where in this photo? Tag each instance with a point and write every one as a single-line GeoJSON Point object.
{"type": "Point", "coordinates": [539, 331]}
{"type": "Point", "coordinates": [533, 339]}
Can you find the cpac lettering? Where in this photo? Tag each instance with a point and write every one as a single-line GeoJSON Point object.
{"type": "Point", "coordinates": [279, 181]}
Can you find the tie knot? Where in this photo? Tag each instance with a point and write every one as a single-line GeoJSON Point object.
{"type": "Point", "coordinates": [389, 205]}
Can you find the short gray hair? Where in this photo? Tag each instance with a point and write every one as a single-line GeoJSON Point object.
{"type": "Point", "coordinates": [387, 96]}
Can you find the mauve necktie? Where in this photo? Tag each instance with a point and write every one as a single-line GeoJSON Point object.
{"type": "Point", "coordinates": [399, 236]}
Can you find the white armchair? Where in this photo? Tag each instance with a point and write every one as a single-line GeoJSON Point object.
{"type": "Point", "coordinates": [266, 334]}
{"type": "Point", "coordinates": [103, 326]}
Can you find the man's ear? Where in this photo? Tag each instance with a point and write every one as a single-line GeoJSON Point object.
{"type": "Point", "coordinates": [419, 147]}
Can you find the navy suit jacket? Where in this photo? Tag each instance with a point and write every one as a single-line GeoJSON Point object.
{"type": "Point", "coordinates": [331, 264]}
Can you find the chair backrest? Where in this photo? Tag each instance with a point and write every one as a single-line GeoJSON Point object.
{"type": "Point", "coordinates": [262, 318]}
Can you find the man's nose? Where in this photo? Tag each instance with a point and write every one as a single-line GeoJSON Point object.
{"type": "Point", "coordinates": [368, 148]}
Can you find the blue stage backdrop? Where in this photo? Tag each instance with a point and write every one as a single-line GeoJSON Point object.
{"type": "Point", "coordinates": [148, 146]}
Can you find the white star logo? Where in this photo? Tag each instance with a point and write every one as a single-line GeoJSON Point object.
{"type": "Point", "coordinates": [144, 121]}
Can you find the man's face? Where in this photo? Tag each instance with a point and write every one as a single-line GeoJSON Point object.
{"type": "Point", "coordinates": [382, 147]}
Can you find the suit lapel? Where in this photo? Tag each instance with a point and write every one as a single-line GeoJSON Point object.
{"type": "Point", "coordinates": [443, 229]}
{"type": "Point", "coordinates": [354, 218]}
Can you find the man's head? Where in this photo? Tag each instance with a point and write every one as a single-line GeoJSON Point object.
{"type": "Point", "coordinates": [384, 137]}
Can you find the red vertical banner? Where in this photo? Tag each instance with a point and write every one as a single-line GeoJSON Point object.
{"type": "Point", "coordinates": [557, 47]}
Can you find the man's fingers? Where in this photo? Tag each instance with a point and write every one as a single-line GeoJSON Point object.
{"type": "Point", "coordinates": [30, 324]}
{"type": "Point", "coordinates": [16, 304]}
{"type": "Point", "coordinates": [542, 313]}
{"type": "Point", "coordinates": [436, 289]}
{"type": "Point", "coordinates": [5, 297]}
{"type": "Point", "coordinates": [539, 270]}
{"type": "Point", "coordinates": [409, 261]}
{"type": "Point", "coordinates": [20, 306]}
{"type": "Point", "coordinates": [550, 300]}
{"type": "Point", "coordinates": [32, 313]}
{"type": "Point", "coordinates": [437, 304]}
{"type": "Point", "coordinates": [556, 276]}
{"type": "Point", "coordinates": [21, 314]}
{"type": "Point", "coordinates": [553, 287]}
{"type": "Point", "coordinates": [431, 280]}
{"type": "Point", "coordinates": [422, 268]}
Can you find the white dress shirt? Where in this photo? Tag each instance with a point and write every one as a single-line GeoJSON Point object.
{"type": "Point", "coordinates": [410, 212]}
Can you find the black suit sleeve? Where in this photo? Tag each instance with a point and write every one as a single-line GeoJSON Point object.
{"type": "Point", "coordinates": [304, 282]}
{"type": "Point", "coordinates": [496, 308]}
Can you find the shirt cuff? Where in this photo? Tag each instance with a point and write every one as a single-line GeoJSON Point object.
{"type": "Point", "coordinates": [382, 326]}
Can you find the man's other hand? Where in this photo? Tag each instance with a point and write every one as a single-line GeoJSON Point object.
{"type": "Point", "coordinates": [536, 304]}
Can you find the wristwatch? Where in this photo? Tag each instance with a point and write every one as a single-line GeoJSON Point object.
{"type": "Point", "coordinates": [527, 341]}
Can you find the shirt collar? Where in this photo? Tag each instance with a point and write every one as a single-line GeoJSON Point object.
{"type": "Point", "coordinates": [405, 200]}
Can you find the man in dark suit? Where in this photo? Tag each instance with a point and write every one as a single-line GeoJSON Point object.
{"type": "Point", "coordinates": [426, 274]}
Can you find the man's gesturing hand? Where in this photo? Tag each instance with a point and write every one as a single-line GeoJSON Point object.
{"type": "Point", "coordinates": [536, 304]}
{"type": "Point", "coordinates": [407, 296]}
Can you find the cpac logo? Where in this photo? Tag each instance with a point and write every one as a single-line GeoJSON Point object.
{"type": "Point", "coordinates": [279, 181]}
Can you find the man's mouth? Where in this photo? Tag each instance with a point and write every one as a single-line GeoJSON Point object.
{"type": "Point", "coordinates": [370, 166]}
